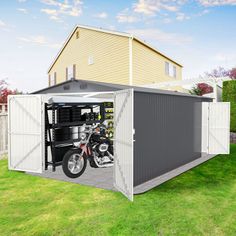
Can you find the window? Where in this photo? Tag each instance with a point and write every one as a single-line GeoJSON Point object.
{"type": "Point", "coordinates": [52, 79]}
{"type": "Point", "coordinates": [174, 71]}
{"type": "Point", "coordinates": [170, 69]}
{"type": "Point", "coordinates": [70, 72]}
{"type": "Point", "coordinates": [77, 34]}
{"type": "Point", "coordinates": [90, 60]}
{"type": "Point", "coordinates": [167, 66]}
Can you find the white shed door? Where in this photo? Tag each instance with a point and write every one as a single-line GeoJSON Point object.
{"type": "Point", "coordinates": [123, 142]}
{"type": "Point", "coordinates": [219, 128]}
{"type": "Point", "coordinates": [205, 126]}
{"type": "Point", "coordinates": [25, 132]}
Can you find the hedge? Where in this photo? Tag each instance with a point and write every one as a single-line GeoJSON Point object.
{"type": "Point", "coordinates": [229, 95]}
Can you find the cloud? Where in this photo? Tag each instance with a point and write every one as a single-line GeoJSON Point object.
{"type": "Point", "coordinates": [21, 0]}
{"type": "Point", "coordinates": [58, 9]}
{"type": "Point", "coordinates": [181, 16]}
{"type": "Point", "coordinates": [212, 3]}
{"type": "Point", "coordinates": [126, 17]}
{"type": "Point", "coordinates": [102, 15]}
{"type": "Point", "coordinates": [2, 24]}
{"type": "Point", "coordinates": [151, 7]}
{"type": "Point", "coordinates": [161, 36]}
{"type": "Point", "coordinates": [6, 27]}
{"type": "Point", "coordinates": [224, 57]}
{"type": "Point", "coordinates": [39, 40]}
{"type": "Point", "coordinates": [167, 20]}
{"type": "Point", "coordinates": [49, 11]}
{"type": "Point", "coordinates": [23, 10]}
{"type": "Point", "coordinates": [202, 13]}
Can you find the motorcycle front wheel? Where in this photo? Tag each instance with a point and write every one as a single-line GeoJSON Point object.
{"type": "Point", "coordinates": [74, 163]}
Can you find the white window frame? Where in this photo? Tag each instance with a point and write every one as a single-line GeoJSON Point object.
{"type": "Point", "coordinates": [170, 69]}
{"type": "Point", "coordinates": [167, 68]}
{"type": "Point", "coordinates": [52, 79]}
{"type": "Point", "coordinates": [69, 72]}
{"type": "Point", "coordinates": [90, 60]}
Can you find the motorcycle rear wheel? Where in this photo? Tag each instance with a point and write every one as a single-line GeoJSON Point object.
{"type": "Point", "coordinates": [74, 163]}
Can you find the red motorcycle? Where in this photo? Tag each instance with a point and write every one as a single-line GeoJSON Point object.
{"type": "Point", "coordinates": [94, 145]}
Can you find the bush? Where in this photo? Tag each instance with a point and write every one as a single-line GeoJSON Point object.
{"type": "Point", "coordinates": [229, 95]}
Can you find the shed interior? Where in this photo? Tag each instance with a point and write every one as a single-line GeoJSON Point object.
{"type": "Point", "coordinates": [69, 120]}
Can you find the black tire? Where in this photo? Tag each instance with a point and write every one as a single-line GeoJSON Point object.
{"type": "Point", "coordinates": [65, 163]}
{"type": "Point", "coordinates": [92, 163]}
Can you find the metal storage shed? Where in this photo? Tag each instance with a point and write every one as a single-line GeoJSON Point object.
{"type": "Point", "coordinates": [158, 134]}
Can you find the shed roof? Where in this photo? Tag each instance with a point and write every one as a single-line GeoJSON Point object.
{"type": "Point", "coordinates": [79, 86]}
{"type": "Point", "coordinates": [123, 34]}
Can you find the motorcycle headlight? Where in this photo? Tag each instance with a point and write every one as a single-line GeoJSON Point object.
{"type": "Point", "coordinates": [82, 136]}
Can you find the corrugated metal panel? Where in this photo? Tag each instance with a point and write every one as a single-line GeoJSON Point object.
{"type": "Point", "coordinates": [25, 131]}
{"type": "Point", "coordinates": [167, 133]}
{"type": "Point", "coordinates": [123, 142]}
{"type": "Point", "coordinates": [219, 128]}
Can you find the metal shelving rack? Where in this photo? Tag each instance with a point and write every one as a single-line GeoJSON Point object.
{"type": "Point", "coordinates": [50, 129]}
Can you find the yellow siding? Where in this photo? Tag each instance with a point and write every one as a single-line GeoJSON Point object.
{"type": "Point", "coordinates": [110, 54]}
{"type": "Point", "coordinates": [149, 66]}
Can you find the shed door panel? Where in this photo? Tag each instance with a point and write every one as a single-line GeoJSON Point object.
{"type": "Point", "coordinates": [219, 128]}
{"type": "Point", "coordinates": [205, 128]}
{"type": "Point", "coordinates": [25, 133]}
{"type": "Point", "coordinates": [123, 142]}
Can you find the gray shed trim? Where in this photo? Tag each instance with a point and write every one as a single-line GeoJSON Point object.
{"type": "Point", "coordinates": [81, 86]}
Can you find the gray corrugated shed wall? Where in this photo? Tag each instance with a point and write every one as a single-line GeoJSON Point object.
{"type": "Point", "coordinates": [167, 133]}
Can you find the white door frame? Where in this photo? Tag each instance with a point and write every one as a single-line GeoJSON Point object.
{"type": "Point", "coordinates": [123, 142]}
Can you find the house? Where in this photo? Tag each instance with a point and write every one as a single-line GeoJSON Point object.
{"type": "Point", "coordinates": [112, 57]}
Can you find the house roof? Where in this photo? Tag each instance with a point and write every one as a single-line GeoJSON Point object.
{"type": "Point", "coordinates": [123, 34]}
{"type": "Point", "coordinates": [75, 87]}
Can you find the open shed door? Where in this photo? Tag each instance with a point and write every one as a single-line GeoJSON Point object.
{"type": "Point", "coordinates": [123, 142]}
{"type": "Point", "coordinates": [25, 133]}
{"type": "Point", "coordinates": [219, 128]}
{"type": "Point", "coordinates": [216, 127]}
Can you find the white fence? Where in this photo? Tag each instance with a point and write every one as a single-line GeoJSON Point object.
{"type": "Point", "coordinates": [3, 129]}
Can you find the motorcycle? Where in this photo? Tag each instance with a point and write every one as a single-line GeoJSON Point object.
{"type": "Point", "coordinates": [94, 146]}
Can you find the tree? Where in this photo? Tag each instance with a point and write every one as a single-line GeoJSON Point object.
{"type": "Point", "coordinates": [222, 72]}
{"type": "Point", "coordinates": [2, 84]}
{"type": "Point", "coordinates": [201, 89]}
{"type": "Point", "coordinates": [195, 91]}
{"type": "Point", "coordinates": [218, 72]}
{"type": "Point", "coordinates": [232, 73]}
{"type": "Point", "coordinates": [229, 95]}
{"type": "Point", "coordinates": [5, 91]}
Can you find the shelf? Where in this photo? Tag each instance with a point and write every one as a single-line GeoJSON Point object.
{"type": "Point", "coordinates": [65, 142]}
{"type": "Point", "coordinates": [77, 123]}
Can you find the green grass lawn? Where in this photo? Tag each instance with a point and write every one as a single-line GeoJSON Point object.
{"type": "Point", "coordinates": [199, 202]}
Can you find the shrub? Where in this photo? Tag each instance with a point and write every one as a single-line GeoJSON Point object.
{"type": "Point", "coordinates": [229, 95]}
{"type": "Point", "coordinates": [201, 89]}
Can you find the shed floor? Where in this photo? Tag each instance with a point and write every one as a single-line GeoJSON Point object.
{"type": "Point", "coordinates": [96, 177]}
{"type": "Point", "coordinates": [103, 177]}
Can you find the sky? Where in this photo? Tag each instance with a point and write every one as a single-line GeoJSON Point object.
{"type": "Point", "coordinates": [200, 35]}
